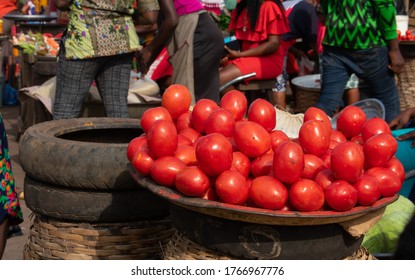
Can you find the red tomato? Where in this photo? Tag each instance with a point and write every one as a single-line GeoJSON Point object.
{"type": "Point", "coordinates": [314, 113]}
{"type": "Point", "coordinates": [151, 115]}
{"type": "Point", "coordinates": [235, 102]}
{"type": "Point", "coordinates": [333, 144]}
{"type": "Point", "coordinates": [288, 162]}
{"type": "Point", "coordinates": [314, 137]}
{"type": "Point", "coordinates": [183, 140]}
{"type": "Point", "coordinates": [220, 121]}
{"type": "Point", "coordinates": [142, 161]}
{"type": "Point", "coordinates": [186, 154]}
{"type": "Point", "coordinates": [368, 190]}
{"type": "Point", "coordinates": [241, 163]}
{"type": "Point", "coordinates": [164, 170]}
{"type": "Point", "coordinates": [341, 196]}
{"type": "Point", "coordinates": [306, 195]}
{"type": "Point", "coordinates": [357, 139]}
{"type": "Point", "coordinates": [201, 112]}
{"type": "Point", "coordinates": [277, 137]}
{"type": "Point", "coordinates": [251, 139]}
{"type": "Point", "coordinates": [379, 149]}
{"type": "Point", "coordinates": [347, 161]}
{"type": "Point", "coordinates": [192, 181]}
{"type": "Point", "coordinates": [176, 99]}
{"type": "Point", "coordinates": [214, 154]}
{"type": "Point", "coordinates": [390, 183]}
{"type": "Point", "coordinates": [183, 121]}
{"type": "Point", "coordinates": [268, 193]}
{"type": "Point", "coordinates": [210, 194]}
{"type": "Point", "coordinates": [263, 113]}
{"type": "Point", "coordinates": [350, 121]}
{"type": "Point", "coordinates": [374, 126]}
{"type": "Point", "coordinates": [324, 178]}
{"type": "Point", "coordinates": [136, 144]}
{"type": "Point", "coordinates": [312, 165]}
{"type": "Point", "coordinates": [326, 158]}
{"type": "Point", "coordinates": [337, 136]}
{"type": "Point", "coordinates": [397, 167]}
{"type": "Point", "coordinates": [190, 133]}
{"type": "Point", "coordinates": [231, 187]}
{"type": "Point", "coordinates": [162, 138]}
{"type": "Point", "coordinates": [262, 165]}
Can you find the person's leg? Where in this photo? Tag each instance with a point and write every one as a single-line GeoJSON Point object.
{"type": "Point", "coordinates": [351, 93]}
{"type": "Point", "coordinates": [4, 228]}
{"type": "Point", "coordinates": [373, 67]}
{"type": "Point", "coordinates": [208, 46]}
{"type": "Point", "coordinates": [280, 90]}
{"type": "Point", "coordinates": [73, 81]}
{"type": "Point", "coordinates": [227, 74]}
{"type": "Point", "coordinates": [334, 78]}
{"type": "Point", "coordinates": [113, 82]}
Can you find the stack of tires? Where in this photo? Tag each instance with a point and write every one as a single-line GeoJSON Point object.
{"type": "Point", "coordinates": [85, 203]}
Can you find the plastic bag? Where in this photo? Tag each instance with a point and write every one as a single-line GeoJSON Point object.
{"type": "Point", "coordinates": [10, 95]}
{"type": "Point", "coordinates": [306, 66]}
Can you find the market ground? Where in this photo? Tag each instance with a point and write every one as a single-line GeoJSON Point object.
{"type": "Point", "coordinates": [15, 244]}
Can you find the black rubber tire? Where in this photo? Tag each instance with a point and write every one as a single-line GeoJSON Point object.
{"type": "Point", "coordinates": [83, 153]}
{"type": "Point", "coordinates": [93, 206]}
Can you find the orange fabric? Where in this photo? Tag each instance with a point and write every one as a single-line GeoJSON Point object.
{"type": "Point", "coordinates": [6, 6]}
{"type": "Point", "coordinates": [271, 21]}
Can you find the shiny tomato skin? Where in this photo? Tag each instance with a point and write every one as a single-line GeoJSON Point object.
{"type": "Point", "coordinates": [314, 137]}
{"type": "Point", "coordinates": [183, 121]}
{"type": "Point", "coordinates": [164, 170]}
{"type": "Point", "coordinates": [187, 154]}
{"type": "Point", "coordinates": [151, 115]}
{"type": "Point", "coordinates": [390, 184]}
{"type": "Point", "coordinates": [214, 154]}
{"type": "Point", "coordinates": [210, 194]}
{"type": "Point", "coordinates": [268, 193]}
{"type": "Point", "coordinates": [241, 163]}
{"type": "Point", "coordinates": [306, 195]}
{"type": "Point", "coordinates": [341, 196]}
{"type": "Point", "coordinates": [220, 121]}
{"type": "Point", "coordinates": [326, 158]}
{"type": "Point", "coordinates": [262, 165]}
{"type": "Point", "coordinates": [136, 144]}
{"type": "Point", "coordinates": [347, 161]}
{"type": "Point", "coordinates": [231, 187]}
{"type": "Point", "coordinates": [142, 161]}
{"type": "Point", "coordinates": [288, 162]}
{"type": "Point", "coordinates": [312, 165]}
{"type": "Point", "coordinates": [314, 113]}
{"type": "Point", "coordinates": [176, 99]}
{"type": "Point", "coordinates": [192, 181]}
{"type": "Point", "coordinates": [235, 102]}
{"type": "Point", "coordinates": [277, 137]}
{"type": "Point", "coordinates": [368, 190]}
{"type": "Point", "coordinates": [190, 133]}
{"type": "Point", "coordinates": [251, 139]}
{"type": "Point", "coordinates": [350, 121]}
{"type": "Point", "coordinates": [324, 178]}
{"type": "Point", "coordinates": [162, 139]}
{"type": "Point", "coordinates": [263, 113]}
{"type": "Point", "coordinates": [379, 149]}
{"type": "Point", "coordinates": [337, 136]}
{"type": "Point", "coordinates": [397, 167]}
{"type": "Point", "coordinates": [201, 112]}
{"type": "Point", "coordinates": [374, 126]}
{"type": "Point", "coordinates": [183, 140]}
{"type": "Point", "coordinates": [357, 139]}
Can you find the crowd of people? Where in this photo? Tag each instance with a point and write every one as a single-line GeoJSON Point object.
{"type": "Point", "coordinates": [348, 41]}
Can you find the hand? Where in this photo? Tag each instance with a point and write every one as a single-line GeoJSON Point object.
{"type": "Point", "coordinates": [396, 61]}
{"type": "Point", "coordinates": [232, 54]}
{"type": "Point", "coordinates": [402, 119]}
{"type": "Point", "coordinates": [406, 136]}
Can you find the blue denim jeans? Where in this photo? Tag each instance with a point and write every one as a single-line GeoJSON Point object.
{"type": "Point", "coordinates": [370, 65]}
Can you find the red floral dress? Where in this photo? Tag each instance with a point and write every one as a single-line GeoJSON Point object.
{"type": "Point", "coordinates": [9, 201]}
{"type": "Point", "coordinates": [271, 21]}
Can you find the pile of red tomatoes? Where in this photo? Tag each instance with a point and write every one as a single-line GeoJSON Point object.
{"type": "Point", "coordinates": [232, 153]}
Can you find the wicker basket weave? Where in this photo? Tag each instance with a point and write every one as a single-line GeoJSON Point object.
{"type": "Point", "coordinates": [54, 239]}
{"type": "Point", "coordinates": [181, 248]}
{"type": "Point", "coordinates": [406, 84]}
{"type": "Point", "coordinates": [305, 98]}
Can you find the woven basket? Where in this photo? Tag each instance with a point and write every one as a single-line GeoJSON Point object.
{"type": "Point", "coordinates": [53, 239]}
{"type": "Point", "coordinates": [305, 98]}
{"type": "Point", "coordinates": [181, 248]}
{"type": "Point", "coordinates": [406, 84]}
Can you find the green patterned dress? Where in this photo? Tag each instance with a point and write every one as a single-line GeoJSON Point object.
{"type": "Point", "coordinates": [9, 201]}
